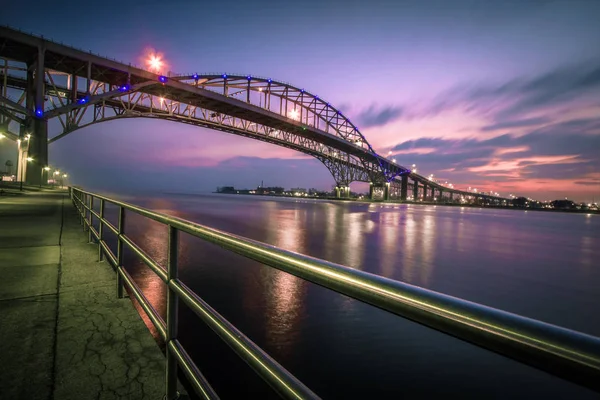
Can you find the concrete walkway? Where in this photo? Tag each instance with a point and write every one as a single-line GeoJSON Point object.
{"type": "Point", "coordinates": [63, 332]}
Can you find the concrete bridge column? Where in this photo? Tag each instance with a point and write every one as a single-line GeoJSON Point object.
{"type": "Point", "coordinates": [36, 126]}
{"type": "Point", "coordinates": [404, 187]}
{"type": "Point", "coordinates": [415, 191]}
{"type": "Point", "coordinates": [342, 192]}
{"type": "Point", "coordinates": [425, 188]}
{"type": "Point", "coordinates": [378, 187]}
{"type": "Point", "coordinates": [440, 195]}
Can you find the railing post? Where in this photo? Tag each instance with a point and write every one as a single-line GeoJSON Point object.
{"type": "Point", "coordinates": [100, 230]}
{"type": "Point", "coordinates": [83, 210]}
{"type": "Point", "coordinates": [120, 251]}
{"type": "Point", "coordinates": [80, 207]}
{"type": "Point", "coordinates": [172, 310]}
{"type": "Point", "coordinates": [90, 219]}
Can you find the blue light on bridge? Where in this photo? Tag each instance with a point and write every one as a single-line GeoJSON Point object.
{"type": "Point", "coordinates": [195, 76]}
{"type": "Point", "coordinates": [269, 80]}
{"type": "Point", "coordinates": [162, 79]}
{"type": "Point", "coordinates": [249, 77]}
{"type": "Point", "coordinates": [301, 90]}
{"type": "Point", "coordinates": [316, 97]}
{"type": "Point", "coordinates": [83, 100]}
{"type": "Point", "coordinates": [224, 76]}
{"type": "Point", "coordinates": [39, 112]}
{"type": "Point", "coordinates": [124, 88]}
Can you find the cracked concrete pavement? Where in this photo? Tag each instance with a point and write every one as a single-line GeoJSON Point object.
{"type": "Point", "coordinates": [64, 334]}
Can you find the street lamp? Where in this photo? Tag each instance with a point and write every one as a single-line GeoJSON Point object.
{"type": "Point", "coordinates": [42, 175]}
{"type": "Point", "coordinates": [57, 172]}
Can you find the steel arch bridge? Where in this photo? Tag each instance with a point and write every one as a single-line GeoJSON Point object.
{"type": "Point", "coordinates": [43, 80]}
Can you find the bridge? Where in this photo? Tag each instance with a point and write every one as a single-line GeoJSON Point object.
{"type": "Point", "coordinates": [41, 80]}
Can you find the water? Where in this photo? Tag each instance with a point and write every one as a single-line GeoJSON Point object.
{"type": "Point", "coordinates": [541, 265]}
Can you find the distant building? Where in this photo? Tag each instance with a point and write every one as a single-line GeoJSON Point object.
{"type": "Point", "coordinates": [269, 190]}
{"type": "Point", "coordinates": [226, 189]}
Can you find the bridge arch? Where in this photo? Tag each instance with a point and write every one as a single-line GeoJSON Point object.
{"type": "Point", "coordinates": [343, 168]}
{"type": "Point", "coordinates": [155, 101]}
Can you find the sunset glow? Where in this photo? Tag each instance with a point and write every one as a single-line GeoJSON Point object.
{"type": "Point", "coordinates": [502, 98]}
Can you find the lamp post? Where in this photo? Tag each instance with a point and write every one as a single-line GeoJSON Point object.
{"type": "Point", "coordinates": [42, 175]}
{"type": "Point", "coordinates": [57, 172]}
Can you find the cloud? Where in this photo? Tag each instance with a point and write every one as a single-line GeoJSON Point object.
{"type": "Point", "coordinates": [374, 116]}
{"type": "Point", "coordinates": [515, 124]}
{"type": "Point", "coordinates": [565, 150]}
{"type": "Point", "coordinates": [509, 103]}
{"type": "Point", "coordinates": [589, 183]}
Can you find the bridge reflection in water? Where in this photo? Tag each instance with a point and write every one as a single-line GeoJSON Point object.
{"type": "Point", "coordinates": [323, 337]}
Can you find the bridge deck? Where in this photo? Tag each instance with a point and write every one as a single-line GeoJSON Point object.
{"type": "Point", "coordinates": [63, 332]}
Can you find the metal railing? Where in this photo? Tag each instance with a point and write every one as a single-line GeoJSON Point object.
{"type": "Point", "coordinates": [568, 354]}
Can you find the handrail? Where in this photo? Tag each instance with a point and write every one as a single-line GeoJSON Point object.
{"type": "Point", "coordinates": [568, 354]}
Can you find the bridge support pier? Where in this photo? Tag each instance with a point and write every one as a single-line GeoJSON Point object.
{"type": "Point", "coordinates": [342, 192]}
{"type": "Point", "coordinates": [425, 188]}
{"type": "Point", "coordinates": [415, 190]}
{"type": "Point", "coordinates": [404, 188]}
{"type": "Point", "coordinates": [386, 191]}
{"type": "Point", "coordinates": [379, 192]}
{"type": "Point", "coordinates": [36, 125]}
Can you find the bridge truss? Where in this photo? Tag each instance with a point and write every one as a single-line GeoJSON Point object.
{"type": "Point", "coordinates": [42, 80]}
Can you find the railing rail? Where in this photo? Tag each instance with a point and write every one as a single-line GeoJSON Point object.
{"type": "Point", "coordinates": [568, 354]}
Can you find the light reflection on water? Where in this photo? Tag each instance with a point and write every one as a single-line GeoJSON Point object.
{"type": "Point", "coordinates": [537, 264]}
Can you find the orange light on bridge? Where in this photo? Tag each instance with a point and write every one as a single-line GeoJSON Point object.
{"type": "Point", "coordinates": [154, 63]}
{"type": "Point", "coordinates": [294, 114]}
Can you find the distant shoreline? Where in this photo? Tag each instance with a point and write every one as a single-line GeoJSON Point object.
{"type": "Point", "coordinates": [424, 203]}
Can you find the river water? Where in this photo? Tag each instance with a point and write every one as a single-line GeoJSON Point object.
{"type": "Point", "coordinates": [538, 264]}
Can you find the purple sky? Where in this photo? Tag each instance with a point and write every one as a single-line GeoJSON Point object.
{"type": "Point", "coordinates": [501, 96]}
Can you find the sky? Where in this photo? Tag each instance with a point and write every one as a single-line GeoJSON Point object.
{"type": "Point", "coordinates": [499, 95]}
